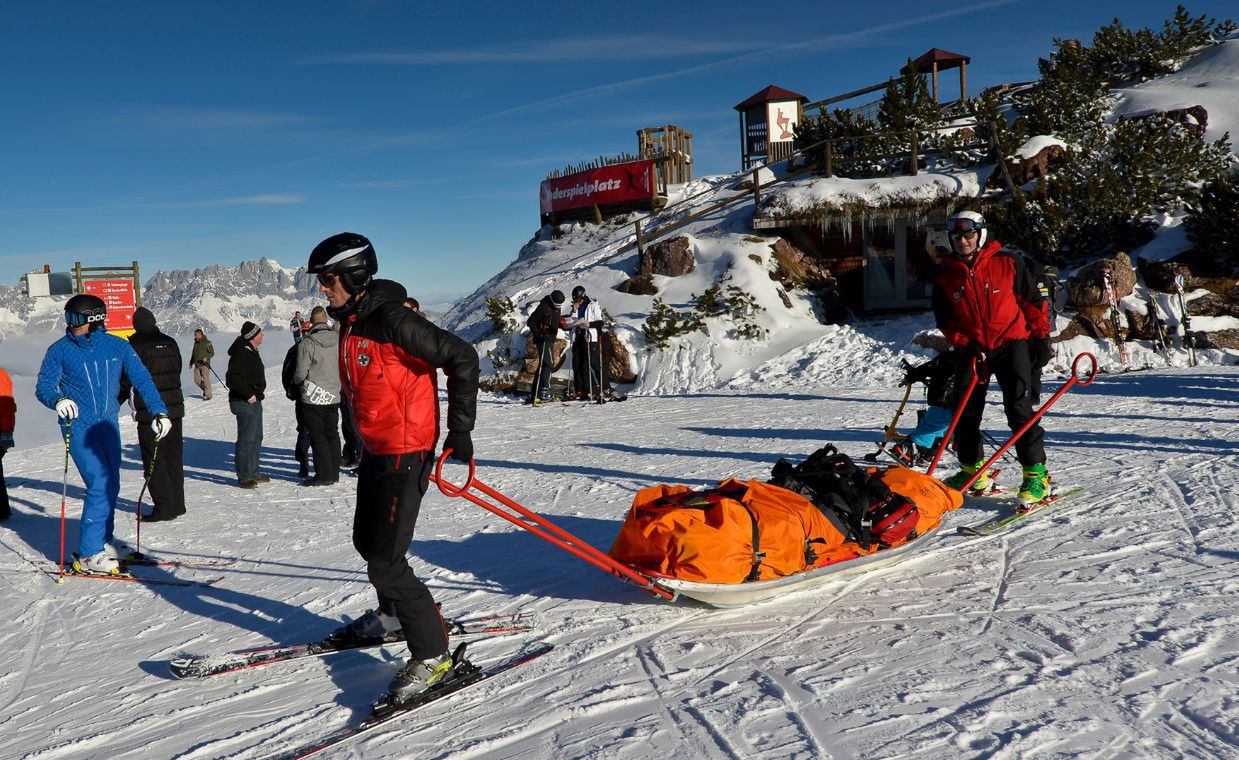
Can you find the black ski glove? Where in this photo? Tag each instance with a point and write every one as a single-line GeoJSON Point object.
{"type": "Point", "coordinates": [1041, 351]}
{"type": "Point", "coordinates": [461, 445]}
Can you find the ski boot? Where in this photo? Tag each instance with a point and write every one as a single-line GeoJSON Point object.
{"type": "Point", "coordinates": [910, 455]}
{"type": "Point", "coordinates": [965, 474]}
{"type": "Point", "coordinates": [372, 627]}
{"type": "Point", "coordinates": [417, 676]}
{"type": "Point", "coordinates": [96, 564]}
{"type": "Point", "coordinates": [1036, 484]}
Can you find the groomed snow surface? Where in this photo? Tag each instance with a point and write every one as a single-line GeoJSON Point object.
{"type": "Point", "coordinates": [1107, 628]}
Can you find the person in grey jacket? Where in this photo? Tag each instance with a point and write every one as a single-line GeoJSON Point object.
{"type": "Point", "coordinates": [318, 374]}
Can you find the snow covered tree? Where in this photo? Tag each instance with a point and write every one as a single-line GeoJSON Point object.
{"type": "Point", "coordinates": [1212, 223]}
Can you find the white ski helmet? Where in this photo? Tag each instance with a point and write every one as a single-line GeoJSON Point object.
{"type": "Point", "coordinates": [967, 221]}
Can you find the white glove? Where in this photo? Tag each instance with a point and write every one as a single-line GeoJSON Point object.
{"type": "Point", "coordinates": [66, 408]}
{"type": "Point", "coordinates": [162, 425]}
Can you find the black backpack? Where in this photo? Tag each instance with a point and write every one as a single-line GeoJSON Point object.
{"type": "Point", "coordinates": [860, 506]}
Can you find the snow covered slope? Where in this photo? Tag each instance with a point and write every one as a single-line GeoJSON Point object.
{"type": "Point", "coordinates": [1105, 629]}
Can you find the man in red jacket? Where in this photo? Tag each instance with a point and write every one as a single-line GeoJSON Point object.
{"type": "Point", "coordinates": [989, 307]}
{"type": "Point", "coordinates": [389, 356]}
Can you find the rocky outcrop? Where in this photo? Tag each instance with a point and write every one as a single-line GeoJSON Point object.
{"type": "Point", "coordinates": [671, 258]}
{"type": "Point", "coordinates": [1194, 118]}
{"type": "Point", "coordinates": [641, 285]}
{"type": "Point", "coordinates": [795, 269]}
{"type": "Point", "coordinates": [530, 367]}
{"type": "Point", "coordinates": [1025, 170]}
{"type": "Point", "coordinates": [618, 360]}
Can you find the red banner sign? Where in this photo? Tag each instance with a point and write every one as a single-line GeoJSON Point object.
{"type": "Point", "coordinates": [632, 181]}
{"type": "Point", "coordinates": [119, 297]}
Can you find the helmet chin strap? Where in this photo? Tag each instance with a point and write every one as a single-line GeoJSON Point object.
{"type": "Point", "coordinates": [349, 306]}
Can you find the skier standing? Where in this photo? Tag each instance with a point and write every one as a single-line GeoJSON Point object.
{"type": "Point", "coordinates": [247, 382]}
{"type": "Point", "coordinates": [8, 419]}
{"type": "Point", "coordinates": [162, 358]}
{"type": "Point", "coordinates": [297, 327]}
{"type": "Point", "coordinates": [80, 378]}
{"type": "Point", "coordinates": [301, 449]}
{"type": "Point", "coordinates": [586, 322]}
{"type": "Point", "coordinates": [200, 361]}
{"type": "Point", "coordinates": [544, 327]}
{"type": "Point", "coordinates": [388, 361]}
{"type": "Point", "coordinates": [989, 307]}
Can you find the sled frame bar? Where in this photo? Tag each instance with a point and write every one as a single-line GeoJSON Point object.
{"type": "Point", "coordinates": [496, 503]}
{"type": "Point", "coordinates": [1073, 380]}
{"type": "Point", "coordinates": [959, 412]}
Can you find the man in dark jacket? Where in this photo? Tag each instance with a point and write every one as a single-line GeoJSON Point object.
{"type": "Point", "coordinates": [200, 362]}
{"type": "Point", "coordinates": [162, 357]}
{"type": "Point", "coordinates": [389, 358]}
{"type": "Point", "coordinates": [247, 381]}
{"type": "Point", "coordinates": [544, 327]}
{"type": "Point", "coordinates": [989, 307]}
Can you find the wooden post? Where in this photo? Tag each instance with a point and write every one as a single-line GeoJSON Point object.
{"type": "Point", "coordinates": [830, 171]}
{"type": "Point", "coordinates": [137, 286]}
{"type": "Point", "coordinates": [935, 75]}
{"type": "Point", "coordinates": [640, 243]}
{"type": "Point", "coordinates": [963, 88]}
{"type": "Point", "coordinates": [597, 214]}
{"type": "Point", "coordinates": [915, 153]}
{"type": "Point", "coordinates": [77, 277]}
{"type": "Point", "coordinates": [756, 188]}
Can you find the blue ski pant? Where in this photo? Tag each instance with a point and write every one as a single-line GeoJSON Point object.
{"type": "Point", "coordinates": [94, 446]}
{"type": "Point", "coordinates": [932, 426]}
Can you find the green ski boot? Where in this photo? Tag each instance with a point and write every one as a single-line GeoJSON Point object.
{"type": "Point", "coordinates": [958, 480]}
{"type": "Point", "coordinates": [1036, 484]}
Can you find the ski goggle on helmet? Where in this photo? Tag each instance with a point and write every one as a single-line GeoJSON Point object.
{"type": "Point", "coordinates": [966, 224]}
{"type": "Point", "coordinates": [85, 309]}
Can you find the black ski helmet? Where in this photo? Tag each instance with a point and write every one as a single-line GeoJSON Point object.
{"type": "Point", "coordinates": [557, 297]}
{"type": "Point", "coordinates": [578, 292]}
{"type": "Point", "coordinates": [85, 309]}
{"type": "Point", "coordinates": [347, 255]}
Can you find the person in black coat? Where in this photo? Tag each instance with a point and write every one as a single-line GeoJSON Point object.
{"type": "Point", "coordinates": [162, 358]}
{"type": "Point", "coordinates": [247, 382]}
{"type": "Point", "coordinates": [544, 327]}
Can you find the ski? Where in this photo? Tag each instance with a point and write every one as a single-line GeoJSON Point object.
{"type": "Point", "coordinates": [1115, 313]}
{"type": "Point", "coordinates": [1185, 322]}
{"type": "Point", "coordinates": [70, 573]}
{"type": "Point", "coordinates": [145, 560]}
{"type": "Point", "coordinates": [1019, 513]}
{"type": "Point", "coordinates": [466, 674]}
{"type": "Point", "coordinates": [1157, 327]}
{"type": "Point", "coordinates": [213, 665]}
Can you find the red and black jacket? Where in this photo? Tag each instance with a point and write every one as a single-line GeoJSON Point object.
{"type": "Point", "coordinates": [388, 358]}
{"type": "Point", "coordinates": [992, 301]}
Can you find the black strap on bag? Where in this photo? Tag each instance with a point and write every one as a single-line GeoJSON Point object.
{"type": "Point", "coordinates": [843, 492]}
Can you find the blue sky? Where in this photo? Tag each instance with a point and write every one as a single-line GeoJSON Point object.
{"type": "Point", "coordinates": [183, 134]}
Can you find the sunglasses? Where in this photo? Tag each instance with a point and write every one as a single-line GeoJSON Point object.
{"type": "Point", "coordinates": [969, 235]}
{"type": "Point", "coordinates": [328, 280]}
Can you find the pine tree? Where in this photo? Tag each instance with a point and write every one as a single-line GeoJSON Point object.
{"type": "Point", "coordinates": [1212, 223]}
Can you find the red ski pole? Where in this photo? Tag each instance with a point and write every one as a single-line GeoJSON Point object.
{"type": "Point", "coordinates": [1075, 379]}
{"type": "Point", "coordinates": [64, 494]}
{"type": "Point", "coordinates": [543, 528]}
{"type": "Point", "coordinates": [959, 412]}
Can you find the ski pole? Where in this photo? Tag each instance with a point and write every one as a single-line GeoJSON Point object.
{"type": "Point", "coordinates": [1074, 380]}
{"type": "Point", "coordinates": [217, 377]}
{"type": "Point", "coordinates": [963, 402]}
{"type": "Point", "coordinates": [64, 494]}
{"type": "Point", "coordinates": [602, 371]}
{"type": "Point", "coordinates": [543, 528]}
{"type": "Point", "coordinates": [150, 469]}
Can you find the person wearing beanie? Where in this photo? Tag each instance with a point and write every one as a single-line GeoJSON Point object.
{"type": "Point", "coordinates": [544, 327]}
{"type": "Point", "coordinates": [162, 358]}
{"type": "Point", "coordinates": [247, 381]}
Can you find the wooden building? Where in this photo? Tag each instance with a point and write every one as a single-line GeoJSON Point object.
{"type": "Point", "coordinates": [768, 122]}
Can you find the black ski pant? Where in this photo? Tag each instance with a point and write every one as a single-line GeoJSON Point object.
{"type": "Point", "coordinates": [167, 483]}
{"type": "Point", "coordinates": [390, 488]}
{"type": "Point", "coordinates": [347, 433]}
{"type": "Point", "coordinates": [1011, 365]}
{"type": "Point", "coordinates": [586, 366]}
{"type": "Point", "coordinates": [542, 379]}
{"type": "Point", "coordinates": [301, 450]}
{"type": "Point", "coordinates": [5, 511]}
{"type": "Point", "coordinates": [322, 423]}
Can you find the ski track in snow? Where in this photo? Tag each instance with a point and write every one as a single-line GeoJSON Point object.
{"type": "Point", "coordinates": [1107, 627]}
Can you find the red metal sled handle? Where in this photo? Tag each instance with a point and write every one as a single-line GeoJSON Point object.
{"type": "Point", "coordinates": [445, 485]}
{"type": "Point", "coordinates": [1074, 380]}
{"type": "Point", "coordinates": [543, 528]}
{"type": "Point", "coordinates": [959, 412]}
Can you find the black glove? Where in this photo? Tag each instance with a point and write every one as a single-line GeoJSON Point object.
{"type": "Point", "coordinates": [1041, 351]}
{"type": "Point", "coordinates": [461, 445]}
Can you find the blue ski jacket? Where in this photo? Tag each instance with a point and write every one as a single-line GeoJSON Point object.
{"type": "Point", "coordinates": [87, 368]}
